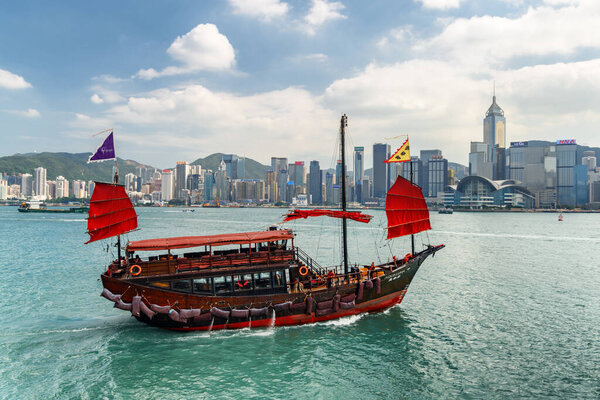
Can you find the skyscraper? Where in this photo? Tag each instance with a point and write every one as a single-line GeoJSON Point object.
{"type": "Point", "coordinates": [26, 185]}
{"type": "Point", "coordinates": [494, 136]}
{"type": "Point", "coordinates": [181, 172]}
{"type": "Point", "coordinates": [359, 172]}
{"type": "Point", "coordinates": [381, 152]}
{"type": "Point", "coordinates": [316, 183]}
{"type": "Point", "coordinates": [40, 182]}
{"type": "Point", "coordinates": [167, 185]}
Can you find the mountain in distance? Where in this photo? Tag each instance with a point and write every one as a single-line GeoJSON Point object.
{"type": "Point", "coordinates": [254, 169]}
{"type": "Point", "coordinates": [70, 165]}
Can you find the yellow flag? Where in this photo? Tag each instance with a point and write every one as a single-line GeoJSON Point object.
{"type": "Point", "coordinates": [401, 155]}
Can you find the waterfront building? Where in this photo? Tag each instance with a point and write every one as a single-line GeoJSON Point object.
{"type": "Point", "coordinates": [194, 181]}
{"type": "Point", "coordinates": [271, 187]}
{"type": "Point", "coordinates": [78, 189]}
{"type": "Point", "coordinates": [40, 183]}
{"type": "Point", "coordinates": [589, 160]}
{"type": "Point", "coordinates": [282, 184]}
{"type": "Point", "coordinates": [329, 181]}
{"type": "Point", "coordinates": [437, 171]}
{"type": "Point", "coordinates": [567, 176]}
{"type": "Point", "coordinates": [366, 189]}
{"type": "Point", "coordinates": [381, 175]}
{"type": "Point", "coordinates": [181, 173]}
{"type": "Point", "coordinates": [209, 185]}
{"type": "Point", "coordinates": [477, 192]}
{"type": "Point", "coordinates": [487, 158]}
{"type": "Point", "coordinates": [477, 160]}
{"type": "Point", "coordinates": [316, 183]}
{"type": "Point", "coordinates": [3, 189]}
{"type": "Point", "coordinates": [131, 182]}
{"type": "Point", "coordinates": [359, 172]}
{"type": "Point", "coordinates": [534, 164]}
{"type": "Point", "coordinates": [26, 185]}
{"type": "Point", "coordinates": [167, 185]}
{"type": "Point", "coordinates": [62, 187]}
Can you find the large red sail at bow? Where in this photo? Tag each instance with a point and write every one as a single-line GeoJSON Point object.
{"type": "Point", "coordinates": [111, 212]}
{"type": "Point", "coordinates": [353, 215]}
{"type": "Point", "coordinates": [406, 210]}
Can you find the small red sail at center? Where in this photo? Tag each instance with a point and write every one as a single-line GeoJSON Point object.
{"type": "Point", "coordinates": [353, 215]}
{"type": "Point", "coordinates": [111, 212]}
{"type": "Point", "coordinates": [406, 210]}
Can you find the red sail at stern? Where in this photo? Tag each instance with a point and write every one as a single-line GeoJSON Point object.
{"type": "Point", "coordinates": [111, 212]}
{"type": "Point", "coordinates": [406, 210]}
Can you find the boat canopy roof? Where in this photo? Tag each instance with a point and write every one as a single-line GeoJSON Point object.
{"type": "Point", "coordinates": [212, 240]}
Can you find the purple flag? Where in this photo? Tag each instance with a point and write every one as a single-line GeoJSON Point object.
{"type": "Point", "coordinates": [104, 152]}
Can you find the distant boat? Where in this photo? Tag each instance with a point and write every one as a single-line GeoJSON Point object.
{"type": "Point", "coordinates": [216, 204]}
{"type": "Point", "coordinates": [188, 210]}
{"type": "Point", "coordinates": [445, 210]}
{"type": "Point", "coordinates": [560, 217]}
{"type": "Point", "coordinates": [38, 207]}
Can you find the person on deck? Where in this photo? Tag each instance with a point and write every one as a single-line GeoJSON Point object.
{"type": "Point", "coordinates": [330, 276]}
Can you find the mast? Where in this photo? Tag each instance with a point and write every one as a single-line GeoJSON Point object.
{"type": "Point", "coordinates": [343, 124]}
{"type": "Point", "coordinates": [116, 181]}
{"type": "Point", "coordinates": [412, 236]}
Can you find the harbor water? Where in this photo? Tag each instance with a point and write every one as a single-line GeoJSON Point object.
{"type": "Point", "coordinates": [509, 309]}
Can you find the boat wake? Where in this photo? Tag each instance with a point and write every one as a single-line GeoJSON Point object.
{"type": "Point", "coordinates": [513, 236]}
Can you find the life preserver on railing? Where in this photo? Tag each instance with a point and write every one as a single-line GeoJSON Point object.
{"type": "Point", "coordinates": [303, 270]}
{"type": "Point", "coordinates": [135, 270]}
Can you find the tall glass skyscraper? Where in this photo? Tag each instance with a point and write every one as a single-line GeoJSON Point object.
{"type": "Point", "coordinates": [381, 152]}
{"type": "Point", "coordinates": [494, 136]}
{"type": "Point", "coordinates": [359, 172]}
{"type": "Point", "coordinates": [316, 182]}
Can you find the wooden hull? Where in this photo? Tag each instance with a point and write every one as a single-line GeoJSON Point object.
{"type": "Point", "coordinates": [392, 288]}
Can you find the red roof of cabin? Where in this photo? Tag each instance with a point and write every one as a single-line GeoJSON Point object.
{"type": "Point", "coordinates": [212, 240]}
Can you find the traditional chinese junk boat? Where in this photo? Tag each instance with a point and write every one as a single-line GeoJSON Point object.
{"type": "Point", "coordinates": [252, 279]}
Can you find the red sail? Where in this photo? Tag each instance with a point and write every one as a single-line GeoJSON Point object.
{"type": "Point", "coordinates": [353, 215]}
{"type": "Point", "coordinates": [406, 210]}
{"type": "Point", "coordinates": [111, 212]}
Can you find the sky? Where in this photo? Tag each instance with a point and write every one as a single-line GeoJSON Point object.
{"type": "Point", "coordinates": [183, 79]}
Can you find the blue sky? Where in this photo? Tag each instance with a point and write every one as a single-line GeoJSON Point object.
{"type": "Point", "coordinates": [180, 80]}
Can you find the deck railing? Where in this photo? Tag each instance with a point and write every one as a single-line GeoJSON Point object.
{"type": "Point", "coordinates": [309, 262]}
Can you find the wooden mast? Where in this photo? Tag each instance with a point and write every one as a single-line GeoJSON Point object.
{"type": "Point", "coordinates": [116, 182]}
{"type": "Point", "coordinates": [343, 124]}
{"type": "Point", "coordinates": [412, 236]}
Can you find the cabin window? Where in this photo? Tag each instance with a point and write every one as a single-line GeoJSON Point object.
{"type": "Point", "coordinates": [278, 279]}
{"type": "Point", "coordinates": [262, 280]}
{"type": "Point", "coordinates": [182, 286]}
{"type": "Point", "coordinates": [203, 285]}
{"type": "Point", "coordinates": [222, 284]}
{"type": "Point", "coordinates": [242, 282]}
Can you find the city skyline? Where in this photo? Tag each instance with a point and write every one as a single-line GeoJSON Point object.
{"type": "Point", "coordinates": [272, 77]}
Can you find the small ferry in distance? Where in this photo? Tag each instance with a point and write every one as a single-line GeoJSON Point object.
{"type": "Point", "coordinates": [216, 204]}
{"type": "Point", "coordinates": [444, 210]}
{"type": "Point", "coordinates": [39, 207]}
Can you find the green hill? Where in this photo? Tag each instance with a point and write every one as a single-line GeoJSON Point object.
{"type": "Point", "coordinates": [254, 169]}
{"type": "Point", "coordinates": [70, 165]}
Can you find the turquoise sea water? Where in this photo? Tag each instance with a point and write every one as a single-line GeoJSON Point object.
{"type": "Point", "coordinates": [510, 309]}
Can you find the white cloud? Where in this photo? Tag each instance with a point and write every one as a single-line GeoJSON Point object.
{"type": "Point", "coordinates": [29, 113]}
{"type": "Point", "coordinates": [8, 80]}
{"type": "Point", "coordinates": [485, 41]}
{"type": "Point", "coordinates": [321, 12]}
{"type": "Point", "coordinates": [202, 48]}
{"type": "Point", "coordinates": [263, 9]}
{"type": "Point", "coordinates": [440, 4]}
{"type": "Point", "coordinates": [96, 99]}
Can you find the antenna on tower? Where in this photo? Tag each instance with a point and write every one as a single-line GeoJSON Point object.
{"type": "Point", "coordinates": [494, 95]}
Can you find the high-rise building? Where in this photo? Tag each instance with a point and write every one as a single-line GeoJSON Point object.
{"type": "Point", "coordinates": [3, 189]}
{"type": "Point", "coordinates": [271, 191]}
{"type": "Point", "coordinates": [40, 182]}
{"type": "Point", "coordinates": [359, 172]}
{"type": "Point", "coordinates": [231, 165]}
{"type": "Point", "coordinates": [437, 171]}
{"type": "Point", "coordinates": [381, 178]}
{"type": "Point", "coordinates": [328, 188]}
{"type": "Point", "coordinates": [567, 175]}
{"type": "Point", "coordinates": [589, 160]}
{"type": "Point", "coordinates": [181, 173]}
{"type": "Point", "coordinates": [167, 185]}
{"type": "Point", "coordinates": [26, 185]}
{"type": "Point", "coordinates": [494, 135]}
{"type": "Point", "coordinates": [316, 183]}
{"type": "Point", "coordinates": [131, 182]}
{"type": "Point", "coordinates": [62, 187]}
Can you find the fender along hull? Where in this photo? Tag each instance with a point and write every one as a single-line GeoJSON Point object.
{"type": "Point", "coordinates": [392, 289]}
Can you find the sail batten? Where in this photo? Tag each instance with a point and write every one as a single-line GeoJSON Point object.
{"type": "Point", "coordinates": [111, 212]}
{"type": "Point", "coordinates": [406, 210]}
